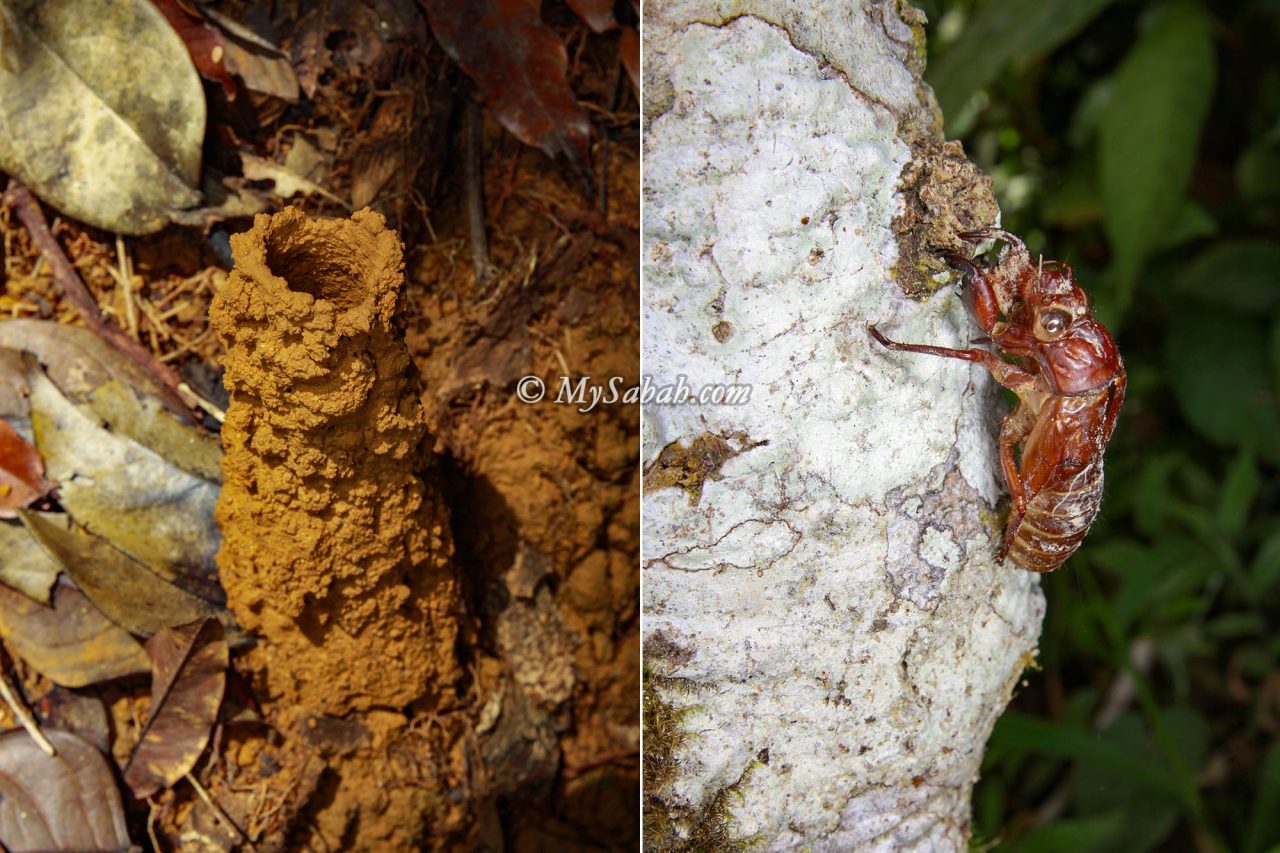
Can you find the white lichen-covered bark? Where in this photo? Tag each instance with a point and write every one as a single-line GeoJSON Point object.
{"type": "Point", "coordinates": [827, 619]}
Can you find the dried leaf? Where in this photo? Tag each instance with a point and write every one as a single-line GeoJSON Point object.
{"type": "Point", "coordinates": [629, 52]}
{"type": "Point", "coordinates": [519, 64]}
{"type": "Point", "coordinates": [231, 197]}
{"type": "Point", "coordinates": [266, 71]}
{"type": "Point", "coordinates": [129, 593]}
{"type": "Point", "coordinates": [190, 676]}
{"type": "Point", "coordinates": [10, 53]}
{"type": "Point", "coordinates": [596, 14]}
{"type": "Point", "coordinates": [360, 35]}
{"type": "Point", "coordinates": [82, 714]}
{"type": "Point", "coordinates": [70, 643]}
{"type": "Point", "coordinates": [64, 802]}
{"type": "Point", "coordinates": [22, 480]}
{"type": "Point", "coordinates": [105, 122]}
{"type": "Point", "coordinates": [155, 506]}
{"type": "Point", "coordinates": [385, 149]}
{"type": "Point", "coordinates": [24, 565]}
{"type": "Point", "coordinates": [76, 359]}
{"type": "Point", "coordinates": [287, 184]}
{"type": "Point", "coordinates": [204, 43]}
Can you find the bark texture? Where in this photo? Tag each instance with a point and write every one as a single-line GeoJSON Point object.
{"type": "Point", "coordinates": [828, 641]}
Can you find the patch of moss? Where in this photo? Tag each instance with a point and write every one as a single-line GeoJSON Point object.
{"type": "Point", "coordinates": [669, 827]}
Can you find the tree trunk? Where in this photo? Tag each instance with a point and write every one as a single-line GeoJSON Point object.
{"type": "Point", "coordinates": [828, 637]}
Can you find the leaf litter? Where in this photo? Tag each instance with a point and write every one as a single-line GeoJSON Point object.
{"type": "Point", "coordinates": [358, 104]}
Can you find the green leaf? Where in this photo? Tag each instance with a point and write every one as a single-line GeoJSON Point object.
{"type": "Point", "coordinates": [1265, 570]}
{"type": "Point", "coordinates": [1150, 133]}
{"type": "Point", "coordinates": [1264, 824]}
{"type": "Point", "coordinates": [1074, 203]}
{"type": "Point", "coordinates": [1099, 832]}
{"type": "Point", "coordinates": [1239, 489]}
{"type": "Point", "coordinates": [1238, 275]}
{"type": "Point", "coordinates": [1192, 222]}
{"type": "Point", "coordinates": [1219, 366]}
{"type": "Point", "coordinates": [1047, 738]}
{"type": "Point", "coordinates": [1004, 31]}
{"type": "Point", "coordinates": [1275, 351]}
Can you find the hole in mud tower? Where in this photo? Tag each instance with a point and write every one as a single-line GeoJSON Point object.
{"type": "Point", "coordinates": [325, 264]}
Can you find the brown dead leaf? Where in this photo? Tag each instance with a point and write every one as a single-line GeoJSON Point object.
{"type": "Point", "coordinates": [385, 149]}
{"type": "Point", "coordinates": [24, 565]}
{"type": "Point", "coordinates": [596, 14]}
{"type": "Point", "coordinates": [70, 643]}
{"type": "Point", "coordinates": [203, 40]}
{"type": "Point", "coordinates": [190, 676]}
{"type": "Point", "coordinates": [629, 52]}
{"type": "Point", "coordinates": [22, 481]}
{"type": "Point", "coordinates": [259, 64]}
{"type": "Point", "coordinates": [519, 64]}
{"type": "Point", "coordinates": [67, 801]}
{"type": "Point", "coordinates": [77, 360]}
{"type": "Point", "coordinates": [287, 184]}
{"type": "Point", "coordinates": [103, 121]}
{"type": "Point", "coordinates": [82, 714]}
{"type": "Point", "coordinates": [129, 593]}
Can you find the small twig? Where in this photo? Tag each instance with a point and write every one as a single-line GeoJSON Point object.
{"type": "Point", "coordinates": [222, 816]}
{"type": "Point", "coordinates": [151, 826]}
{"type": "Point", "coordinates": [126, 284]}
{"type": "Point", "coordinates": [23, 716]}
{"type": "Point", "coordinates": [473, 171]}
{"type": "Point", "coordinates": [20, 199]}
{"type": "Point", "coordinates": [218, 414]}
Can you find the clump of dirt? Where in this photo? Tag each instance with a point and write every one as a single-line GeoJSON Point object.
{"type": "Point", "coordinates": [943, 194]}
{"type": "Point", "coordinates": [333, 550]}
{"type": "Point", "coordinates": [690, 467]}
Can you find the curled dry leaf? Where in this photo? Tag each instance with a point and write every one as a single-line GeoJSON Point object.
{"type": "Point", "coordinates": [67, 801]}
{"type": "Point", "coordinates": [287, 183]}
{"type": "Point", "coordinates": [24, 565]}
{"type": "Point", "coordinates": [71, 643]}
{"type": "Point", "coordinates": [104, 120]}
{"type": "Point", "coordinates": [259, 64]}
{"type": "Point", "coordinates": [519, 64]}
{"type": "Point", "coordinates": [189, 666]}
{"type": "Point", "coordinates": [127, 592]}
{"type": "Point", "coordinates": [22, 481]}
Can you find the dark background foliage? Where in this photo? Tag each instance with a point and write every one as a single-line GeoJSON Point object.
{"type": "Point", "coordinates": [1139, 141]}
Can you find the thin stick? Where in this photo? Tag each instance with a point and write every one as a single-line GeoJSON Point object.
{"type": "Point", "coordinates": [222, 816]}
{"type": "Point", "coordinates": [473, 171]}
{"type": "Point", "coordinates": [24, 717]}
{"type": "Point", "coordinates": [19, 198]}
{"type": "Point", "coordinates": [126, 282]}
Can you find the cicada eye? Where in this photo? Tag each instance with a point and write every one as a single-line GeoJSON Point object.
{"type": "Point", "coordinates": [1055, 321]}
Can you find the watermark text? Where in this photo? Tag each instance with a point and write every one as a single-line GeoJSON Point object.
{"type": "Point", "coordinates": [586, 393]}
